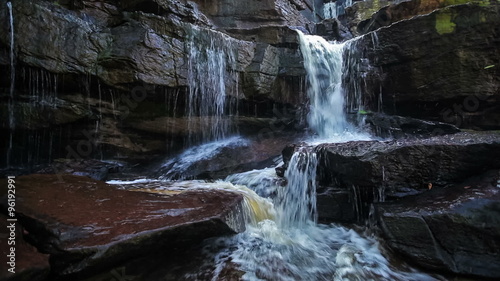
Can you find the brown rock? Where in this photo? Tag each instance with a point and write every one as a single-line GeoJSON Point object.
{"type": "Point", "coordinates": [87, 225]}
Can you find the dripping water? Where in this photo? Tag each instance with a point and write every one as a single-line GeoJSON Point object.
{"type": "Point", "coordinates": [12, 121]}
{"type": "Point", "coordinates": [211, 61]}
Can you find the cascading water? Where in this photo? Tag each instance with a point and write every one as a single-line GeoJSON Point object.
{"type": "Point", "coordinates": [324, 65]}
{"type": "Point", "coordinates": [332, 10]}
{"type": "Point", "coordinates": [283, 240]}
{"type": "Point", "coordinates": [297, 202]}
{"type": "Point", "coordinates": [211, 81]}
{"type": "Point", "coordinates": [292, 246]}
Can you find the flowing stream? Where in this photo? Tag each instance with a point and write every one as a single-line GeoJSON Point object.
{"type": "Point", "coordinates": [283, 240]}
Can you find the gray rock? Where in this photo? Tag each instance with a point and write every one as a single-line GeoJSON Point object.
{"type": "Point", "coordinates": [439, 66]}
{"type": "Point", "coordinates": [456, 229]}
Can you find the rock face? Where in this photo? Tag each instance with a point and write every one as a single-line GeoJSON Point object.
{"type": "Point", "coordinates": [84, 72]}
{"type": "Point", "coordinates": [87, 226]}
{"type": "Point", "coordinates": [445, 69]}
{"type": "Point", "coordinates": [393, 169]}
{"type": "Point", "coordinates": [455, 229]}
{"type": "Point", "coordinates": [393, 126]}
{"type": "Point", "coordinates": [29, 263]}
{"type": "Point", "coordinates": [90, 168]}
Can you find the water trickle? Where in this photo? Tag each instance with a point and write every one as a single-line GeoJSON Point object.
{"type": "Point", "coordinates": [181, 166]}
{"type": "Point", "coordinates": [10, 105]}
{"type": "Point", "coordinates": [211, 80]}
{"type": "Point", "coordinates": [12, 69]}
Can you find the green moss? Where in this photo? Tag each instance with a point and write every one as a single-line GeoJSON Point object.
{"type": "Point", "coordinates": [444, 23]}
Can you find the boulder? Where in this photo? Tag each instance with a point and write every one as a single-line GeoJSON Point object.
{"type": "Point", "coordinates": [392, 126]}
{"type": "Point", "coordinates": [440, 66]}
{"type": "Point", "coordinates": [455, 229]}
{"type": "Point", "coordinates": [216, 160]}
{"type": "Point", "coordinates": [87, 226]}
{"type": "Point", "coordinates": [398, 168]}
{"type": "Point", "coordinates": [30, 265]}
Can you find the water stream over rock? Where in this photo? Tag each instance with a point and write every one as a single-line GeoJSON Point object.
{"type": "Point", "coordinates": [211, 81]}
{"type": "Point", "coordinates": [283, 240]}
{"type": "Point", "coordinates": [224, 88]}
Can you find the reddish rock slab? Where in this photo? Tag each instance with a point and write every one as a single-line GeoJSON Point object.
{"type": "Point", "coordinates": [29, 264]}
{"type": "Point", "coordinates": [88, 225]}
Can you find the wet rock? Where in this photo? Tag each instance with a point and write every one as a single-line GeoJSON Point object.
{"type": "Point", "coordinates": [447, 73]}
{"type": "Point", "coordinates": [456, 229]}
{"type": "Point", "coordinates": [94, 169]}
{"type": "Point", "coordinates": [30, 265]}
{"type": "Point", "coordinates": [399, 127]}
{"type": "Point", "coordinates": [332, 30]}
{"type": "Point", "coordinates": [247, 15]}
{"type": "Point", "coordinates": [336, 205]}
{"type": "Point", "coordinates": [399, 165]}
{"type": "Point", "coordinates": [84, 81]}
{"type": "Point", "coordinates": [219, 159]}
{"type": "Point", "coordinates": [379, 170]}
{"type": "Point", "coordinates": [362, 11]}
{"type": "Point", "coordinates": [87, 226]}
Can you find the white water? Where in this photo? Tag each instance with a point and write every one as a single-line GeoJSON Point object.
{"type": "Point", "coordinates": [335, 9]}
{"type": "Point", "coordinates": [182, 163]}
{"type": "Point", "coordinates": [324, 62]}
{"type": "Point", "coordinates": [210, 69]}
{"type": "Point", "coordinates": [283, 240]}
{"type": "Point", "coordinates": [292, 246]}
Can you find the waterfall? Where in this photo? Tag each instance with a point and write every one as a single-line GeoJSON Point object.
{"type": "Point", "coordinates": [12, 121]}
{"type": "Point", "coordinates": [323, 64]}
{"type": "Point", "coordinates": [325, 68]}
{"type": "Point", "coordinates": [289, 244]}
{"type": "Point", "coordinates": [333, 10]}
{"type": "Point", "coordinates": [297, 202]}
{"type": "Point", "coordinates": [211, 81]}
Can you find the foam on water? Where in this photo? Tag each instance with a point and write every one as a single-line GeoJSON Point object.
{"type": "Point", "coordinates": [292, 246]}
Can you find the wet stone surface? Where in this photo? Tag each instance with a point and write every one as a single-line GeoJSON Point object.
{"type": "Point", "coordinates": [87, 225]}
{"type": "Point", "coordinates": [456, 229]}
